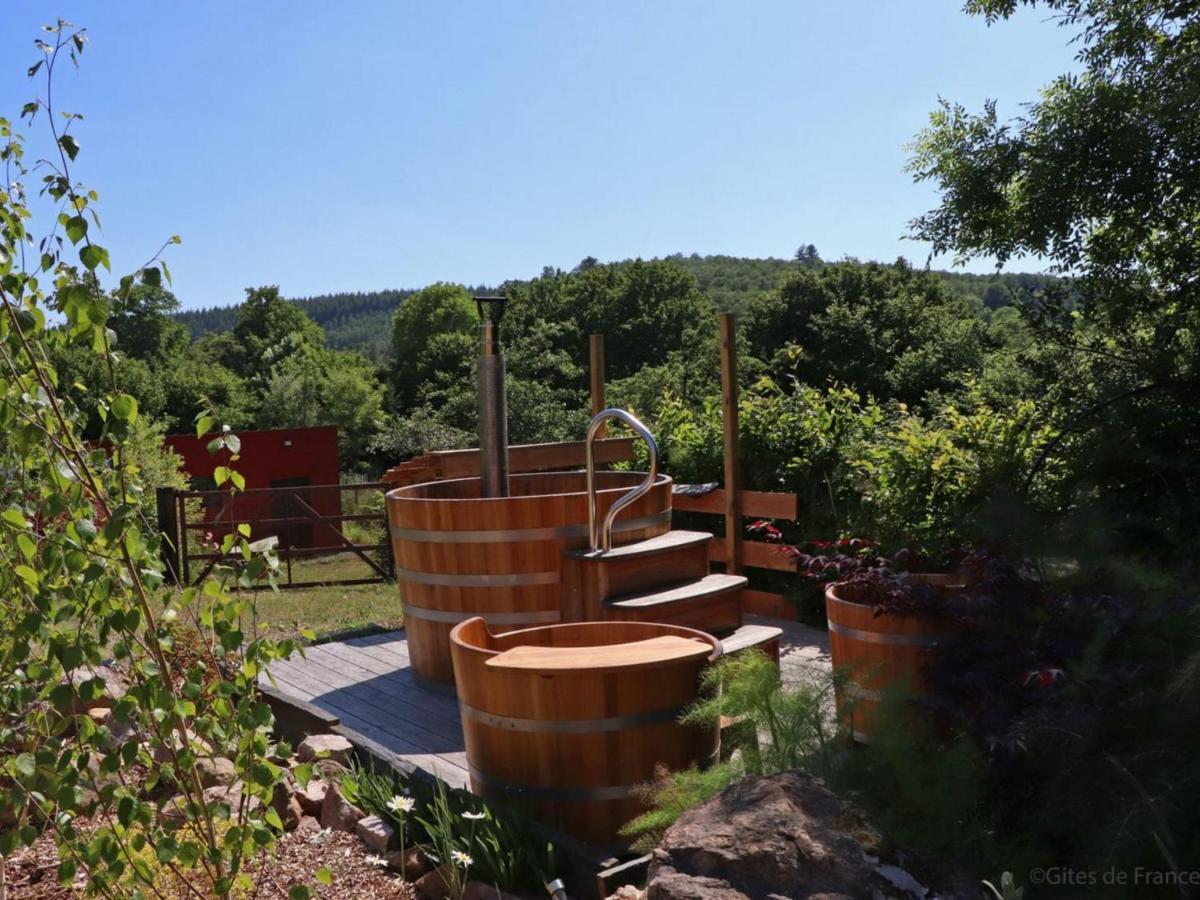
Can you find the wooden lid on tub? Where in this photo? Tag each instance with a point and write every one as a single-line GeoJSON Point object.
{"type": "Point", "coordinates": [656, 650]}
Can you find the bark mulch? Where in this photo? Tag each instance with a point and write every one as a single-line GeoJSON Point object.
{"type": "Point", "coordinates": [31, 873]}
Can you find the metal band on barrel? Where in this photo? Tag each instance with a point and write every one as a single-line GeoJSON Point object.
{"type": "Point", "coordinates": [506, 535]}
{"type": "Point", "coordinates": [506, 618]}
{"type": "Point", "coordinates": [877, 637]}
{"type": "Point", "coordinates": [541, 792]}
{"type": "Point", "coordinates": [572, 726]}
{"type": "Point", "coordinates": [477, 579]}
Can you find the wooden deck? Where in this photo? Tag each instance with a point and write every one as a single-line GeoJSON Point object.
{"type": "Point", "coordinates": [368, 683]}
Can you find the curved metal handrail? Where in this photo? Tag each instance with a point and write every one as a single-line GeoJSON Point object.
{"type": "Point", "coordinates": [601, 539]}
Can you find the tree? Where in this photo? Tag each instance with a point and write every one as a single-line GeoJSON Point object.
{"type": "Point", "coordinates": [432, 344]}
{"type": "Point", "coordinates": [888, 331]}
{"type": "Point", "coordinates": [141, 320]}
{"type": "Point", "coordinates": [269, 328]}
{"type": "Point", "coordinates": [807, 256]}
{"type": "Point", "coordinates": [1102, 177]}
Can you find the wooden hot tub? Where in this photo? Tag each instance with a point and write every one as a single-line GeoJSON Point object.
{"type": "Point", "coordinates": [460, 555]}
{"type": "Point", "coordinates": [566, 721]}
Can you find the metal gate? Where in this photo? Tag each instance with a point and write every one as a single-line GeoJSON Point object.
{"type": "Point", "coordinates": [299, 521]}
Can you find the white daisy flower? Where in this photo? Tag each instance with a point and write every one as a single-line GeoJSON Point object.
{"type": "Point", "coordinates": [475, 816]}
{"type": "Point", "coordinates": [400, 803]}
{"type": "Point", "coordinates": [460, 858]}
{"type": "Point", "coordinates": [373, 860]}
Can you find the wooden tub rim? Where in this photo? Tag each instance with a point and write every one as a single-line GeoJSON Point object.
{"type": "Point", "coordinates": [928, 638]}
{"type": "Point", "coordinates": [408, 492]}
{"type": "Point", "coordinates": [650, 665]}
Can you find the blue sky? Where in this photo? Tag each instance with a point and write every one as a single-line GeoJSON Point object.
{"type": "Point", "coordinates": [363, 145]}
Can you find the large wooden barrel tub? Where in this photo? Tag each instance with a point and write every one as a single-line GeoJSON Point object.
{"type": "Point", "coordinates": [460, 555]}
{"type": "Point", "coordinates": [879, 654]}
{"type": "Point", "coordinates": [566, 721]}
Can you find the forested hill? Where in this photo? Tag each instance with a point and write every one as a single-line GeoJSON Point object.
{"type": "Point", "coordinates": [362, 320]}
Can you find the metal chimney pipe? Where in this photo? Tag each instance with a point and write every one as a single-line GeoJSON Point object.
{"type": "Point", "coordinates": [493, 400]}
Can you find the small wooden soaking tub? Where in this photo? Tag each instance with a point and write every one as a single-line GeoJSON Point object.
{"type": "Point", "coordinates": [565, 721]}
{"type": "Point", "coordinates": [460, 555]}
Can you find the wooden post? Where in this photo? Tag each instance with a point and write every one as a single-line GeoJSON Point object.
{"type": "Point", "coordinates": [596, 348]}
{"type": "Point", "coordinates": [168, 527]}
{"type": "Point", "coordinates": [729, 418]}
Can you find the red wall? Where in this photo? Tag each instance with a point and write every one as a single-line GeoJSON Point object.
{"type": "Point", "coordinates": [268, 457]}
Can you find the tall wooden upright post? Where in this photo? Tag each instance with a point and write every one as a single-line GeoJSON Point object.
{"type": "Point", "coordinates": [729, 418]}
{"type": "Point", "coordinates": [596, 348]}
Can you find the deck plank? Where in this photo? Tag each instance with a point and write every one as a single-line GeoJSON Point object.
{"type": "Point", "coordinates": [368, 683]}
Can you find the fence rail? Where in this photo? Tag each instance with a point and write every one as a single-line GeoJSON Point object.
{"type": "Point", "coordinates": [301, 521]}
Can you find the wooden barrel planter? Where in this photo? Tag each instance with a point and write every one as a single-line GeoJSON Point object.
{"type": "Point", "coordinates": [566, 721]}
{"type": "Point", "coordinates": [459, 555]}
{"type": "Point", "coordinates": [879, 653]}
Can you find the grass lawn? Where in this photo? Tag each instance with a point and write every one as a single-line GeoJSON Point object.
{"type": "Point", "coordinates": [332, 607]}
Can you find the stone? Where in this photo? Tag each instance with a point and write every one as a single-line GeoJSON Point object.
{"type": "Point", "coordinates": [311, 796]}
{"type": "Point", "coordinates": [412, 863]}
{"type": "Point", "coordinates": [330, 769]}
{"type": "Point", "coordinates": [627, 892]}
{"type": "Point", "coordinates": [375, 833]}
{"type": "Point", "coordinates": [339, 813]}
{"type": "Point", "coordinates": [783, 835]}
{"type": "Point", "coordinates": [308, 826]}
{"type": "Point", "coordinates": [215, 770]}
{"type": "Point", "coordinates": [432, 885]}
{"type": "Point", "coordinates": [115, 687]}
{"type": "Point", "coordinates": [325, 746]}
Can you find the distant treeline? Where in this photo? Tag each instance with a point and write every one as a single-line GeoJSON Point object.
{"type": "Point", "coordinates": [362, 320]}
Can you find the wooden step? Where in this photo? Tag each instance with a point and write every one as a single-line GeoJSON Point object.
{"type": "Point", "coordinates": [712, 604]}
{"type": "Point", "coordinates": [764, 637]}
{"type": "Point", "coordinates": [589, 577]}
{"type": "Point", "coordinates": [667, 542]}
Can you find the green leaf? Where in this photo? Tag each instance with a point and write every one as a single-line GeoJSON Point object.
{"type": "Point", "coordinates": [204, 425]}
{"type": "Point", "coordinates": [77, 227]}
{"type": "Point", "coordinates": [70, 145]}
{"type": "Point", "coordinates": [324, 876]}
{"type": "Point", "coordinates": [125, 407]}
{"type": "Point", "coordinates": [234, 443]}
{"type": "Point", "coordinates": [151, 276]}
{"type": "Point", "coordinates": [272, 819]}
{"type": "Point", "coordinates": [239, 480]}
{"type": "Point", "coordinates": [299, 892]}
{"type": "Point", "coordinates": [94, 255]}
{"type": "Point", "coordinates": [14, 516]}
{"type": "Point", "coordinates": [25, 765]}
{"type": "Point", "coordinates": [220, 475]}
{"type": "Point", "coordinates": [26, 574]}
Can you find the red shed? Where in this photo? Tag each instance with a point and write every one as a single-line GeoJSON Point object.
{"type": "Point", "coordinates": [297, 458]}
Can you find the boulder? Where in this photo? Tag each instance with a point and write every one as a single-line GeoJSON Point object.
{"type": "Point", "coordinates": [311, 796]}
{"type": "Point", "coordinates": [308, 826]}
{"type": "Point", "coordinates": [215, 770]}
{"type": "Point", "coordinates": [433, 885]}
{"type": "Point", "coordinates": [778, 836]}
{"type": "Point", "coordinates": [339, 813]}
{"type": "Point", "coordinates": [285, 804]}
{"type": "Point", "coordinates": [375, 833]}
{"type": "Point", "coordinates": [325, 746]}
{"type": "Point", "coordinates": [114, 687]}
{"type": "Point", "coordinates": [412, 863]}
{"type": "Point", "coordinates": [477, 890]}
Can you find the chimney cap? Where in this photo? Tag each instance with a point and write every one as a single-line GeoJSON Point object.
{"type": "Point", "coordinates": [490, 307]}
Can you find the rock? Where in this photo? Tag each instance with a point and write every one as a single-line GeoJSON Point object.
{"type": "Point", "coordinates": [783, 835]}
{"type": "Point", "coordinates": [412, 863]}
{"type": "Point", "coordinates": [325, 746]}
{"type": "Point", "coordinates": [627, 892]}
{"type": "Point", "coordinates": [330, 769]}
{"type": "Point", "coordinates": [215, 770]}
{"type": "Point", "coordinates": [176, 807]}
{"type": "Point", "coordinates": [312, 796]}
{"type": "Point", "coordinates": [375, 833]}
{"type": "Point", "coordinates": [339, 813]}
{"type": "Point", "coordinates": [114, 687]}
{"type": "Point", "coordinates": [307, 826]}
{"type": "Point", "coordinates": [286, 805]}
{"type": "Point", "coordinates": [432, 885]}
